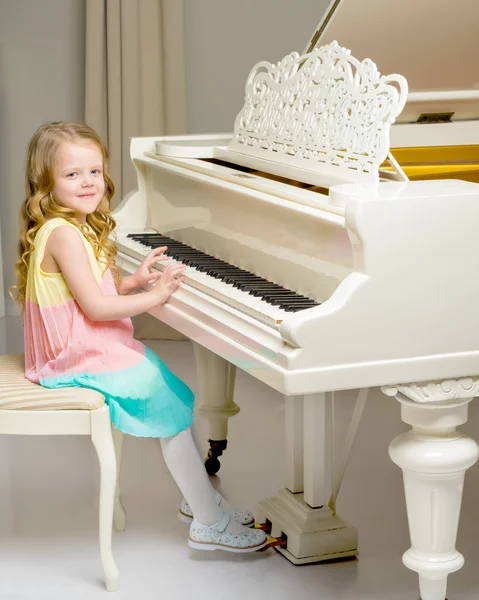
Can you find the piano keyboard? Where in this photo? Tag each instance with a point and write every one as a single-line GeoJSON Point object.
{"type": "Point", "coordinates": [253, 295]}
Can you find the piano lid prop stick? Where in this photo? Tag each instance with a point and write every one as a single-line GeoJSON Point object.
{"type": "Point", "coordinates": [348, 444]}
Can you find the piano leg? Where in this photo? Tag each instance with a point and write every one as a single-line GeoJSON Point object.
{"type": "Point", "coordinates": [434, 458]}
{"type": "Point", "coordinates": [305, 510]}
{"type": "Point", "coordinates": [216, 379]}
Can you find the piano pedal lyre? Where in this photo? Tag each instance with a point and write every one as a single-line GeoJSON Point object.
{"type": "Point", "coordinates": [212, 464]}
{"type": "Point", "coordinates": [272, 541]}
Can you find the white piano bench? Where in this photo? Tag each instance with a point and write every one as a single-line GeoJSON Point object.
{"type": "Point", "coordinates": [29, 409]}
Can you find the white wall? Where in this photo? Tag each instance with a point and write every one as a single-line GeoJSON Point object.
{"type": "Point", "coordinates": [224, 39]}
{"type": "Point", "coordinates": [41, 79]}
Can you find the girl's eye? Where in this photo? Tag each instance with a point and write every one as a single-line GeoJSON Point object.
{"type": "Point", "coordinates": [70, 174]}
{"type": "Point", "coordinates": [96, 171]}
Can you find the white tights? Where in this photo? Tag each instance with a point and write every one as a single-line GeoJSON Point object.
{"type": "Point", "coordinates": [185, 464]}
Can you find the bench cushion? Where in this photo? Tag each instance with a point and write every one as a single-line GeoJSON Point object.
{"type": "Point", "coordinates": [18, 393]}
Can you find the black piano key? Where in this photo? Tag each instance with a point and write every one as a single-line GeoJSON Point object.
{"type": "Point", "coordinates": [249, 277]}
{"type": "Point", "coordinates": [295, 307]}
{"type": "Point", "coordinates": [288, 307]}
{"type": "Point", "coordinates": [266, 289]}
{"type": "Point", "coordinates": [247, 286]}
{"type": "Point", "coordinates": [234, 275]}
{"type": "Point", "coordinates": [149, 240]}
{"type": "Point", "coordinates": [237, 281]}
{"type": "Point", "coordinates": [218, 263]}
{"type": "Point", "coordinates": [198, 260]}
{"type": "Point", "coordinates": [171, 251]}
{"type": "Point", "coordinates": [261, 291]}
{"type": "Point", "coordinates": [285, 295]}
{"type": "Point", "coordinates": [191, 262]}
{"type": "Point", "coordinates": [246, 276]}
{"type": "Point", "coordinates": [245, 273]}
{"type": "Point", "coordinates": [291, 296]}
{"type": "Point", "coordinates": [146, 236]}
{"type": "Point", "coordinates": [217, 271]}
{"type": "Point", "coordinates": [224, 274]}
{"type": "Point", "coordinates": [187, 252]}
{"type": "Point", "coordinates": [197, 255]}
{"type": "Point", "coordinates": [278, 301]}
{"type": "Point", "coordinates": [269, 291]}
{"type": "Point", "coordinates": [175, 245]}
{"type": "Point", "coordinates": [205, 267]}
{"type": "Point", "coordinates": [233, 271]}
{"type": "Point", "coordinates": [288, 301]}
{"type": "Point", "coordinates": [183, 248]}
{"type": "Point", "coordinates": [244, 287]}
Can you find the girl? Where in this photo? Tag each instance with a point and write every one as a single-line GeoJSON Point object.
{"type": "Point", "coordinates": [77, 313]}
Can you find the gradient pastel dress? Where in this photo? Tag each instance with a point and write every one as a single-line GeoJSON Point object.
{"type": "Point", "coordinates": [63, 347]}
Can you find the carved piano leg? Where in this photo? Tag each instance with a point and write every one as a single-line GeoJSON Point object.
{"type": "Point", "coordinates": [434, 458]}
{"type": "Point", "coordinates": [216, 378]}
{"type": "Point", "coordinates": [305, 510]}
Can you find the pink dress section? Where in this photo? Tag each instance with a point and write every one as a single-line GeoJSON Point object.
{"type": "Point", "coordinates": [63, 347]}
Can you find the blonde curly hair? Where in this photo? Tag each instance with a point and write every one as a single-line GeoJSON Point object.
{"type": "Point", "coordinates": [40, 205]}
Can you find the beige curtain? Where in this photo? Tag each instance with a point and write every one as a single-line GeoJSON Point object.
{"type": "Point", "coordinates": [135, 83]}
{"type": "Point", "coordinates": [135, 86]}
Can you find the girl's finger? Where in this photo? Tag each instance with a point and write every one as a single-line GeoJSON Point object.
{"type": "Point", "coordinates": [175, 267]}
{"type": "Point", "coordinates": [157, 251]}
{"type": "Point", "coordinates": [176, 283]}
{"type": "Point", "coordinates": [152, 260]}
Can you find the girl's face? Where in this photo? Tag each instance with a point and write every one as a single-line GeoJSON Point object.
{"type": "Point", "coordinates": [78, 175]}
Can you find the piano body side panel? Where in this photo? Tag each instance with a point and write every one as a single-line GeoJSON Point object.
{"type": "Point", "coordinates": [130, 214]}
{"type": "Point", "coordinates": [415, 295]}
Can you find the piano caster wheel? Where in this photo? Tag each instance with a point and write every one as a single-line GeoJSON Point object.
{"type": "Point", "coordinates": [212, 464]}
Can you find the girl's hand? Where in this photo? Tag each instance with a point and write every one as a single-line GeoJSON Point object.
{"type": "Point", "coordinates": [143, 275]}
{"type": "Point", "coordinates": [169, 281]}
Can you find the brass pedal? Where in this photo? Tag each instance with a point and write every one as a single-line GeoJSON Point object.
{"type": "Point", "coordinates": [263, 526]}
{"type": "Point", "coordinates": [272, 541]}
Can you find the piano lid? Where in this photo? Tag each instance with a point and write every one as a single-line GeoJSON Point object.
{"type": "Point", "coordinates": [432, 43]}
{"type": "Point", "coordinates": [329, 116]}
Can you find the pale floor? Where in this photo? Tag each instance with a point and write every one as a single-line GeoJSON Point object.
{"type": "Point", "coordinates": [48, 518]}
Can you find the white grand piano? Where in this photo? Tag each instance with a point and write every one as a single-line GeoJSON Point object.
{"type": "Point", "coordinates": [316, 265]}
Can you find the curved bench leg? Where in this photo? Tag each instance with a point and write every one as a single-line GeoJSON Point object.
{"type": "Point", "coordinates": [102, 440]}
{"type": "Point", "coordinates": [119, 513]}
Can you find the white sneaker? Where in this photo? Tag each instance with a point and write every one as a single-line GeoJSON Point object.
{"type": "Point", "coordinates": [218, 537]}
{"type": "Point", "coordinates": [245, 517]}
